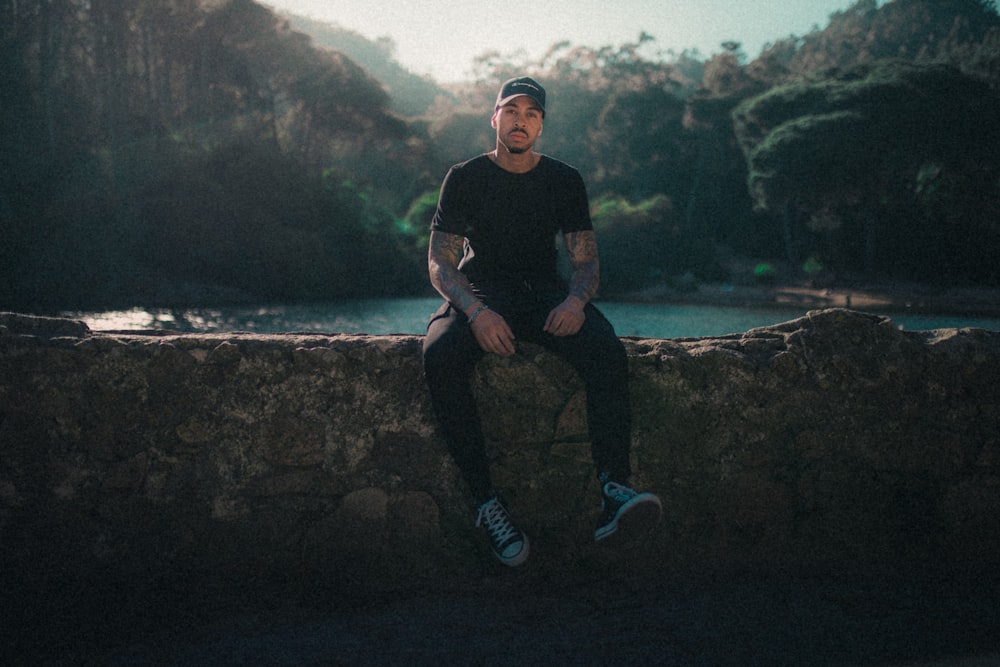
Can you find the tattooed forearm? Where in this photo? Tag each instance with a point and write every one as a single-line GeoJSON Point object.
{"type": "Point", "coordinates": [582, 249]}
{"type": "Point", "coordinates": [443, 256]}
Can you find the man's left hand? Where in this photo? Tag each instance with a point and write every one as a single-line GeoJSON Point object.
{"type": "Point", "coordinates": [566, 318]}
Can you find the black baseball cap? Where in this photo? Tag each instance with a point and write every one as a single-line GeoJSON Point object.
{"type": "Point", "coordinates": [522, 85]}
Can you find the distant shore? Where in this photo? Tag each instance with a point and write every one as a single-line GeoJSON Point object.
{"type": "Point", "coordinates": [889, 299]}
{"type": "Point", "coordinates": [978, 301]}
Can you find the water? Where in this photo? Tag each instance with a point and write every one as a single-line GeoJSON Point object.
{"type": "Point", "coordinates": [409, 316]}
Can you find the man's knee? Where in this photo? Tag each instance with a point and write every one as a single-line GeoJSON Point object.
{"type": "Point", "coordinates": [448, 354]}
{"type": "Point", "coordinates": [601, 339]}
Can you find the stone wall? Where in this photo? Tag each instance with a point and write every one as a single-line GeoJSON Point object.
{"type": "Point", "coordinates": [313, 461]}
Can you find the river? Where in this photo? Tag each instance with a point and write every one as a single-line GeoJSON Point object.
{"type": "Point", "coordinates": [409, 316]}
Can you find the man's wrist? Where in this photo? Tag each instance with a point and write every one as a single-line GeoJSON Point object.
{"type": "Point", "coordinates": [476, 312]}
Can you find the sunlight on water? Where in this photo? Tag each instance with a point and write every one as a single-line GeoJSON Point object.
{"type": "Point", "coordinates": [136, 318]}
{"type": "Point", "coordinates": [370, 316]}
{"type": "Point", "coordinates": [409, 316]}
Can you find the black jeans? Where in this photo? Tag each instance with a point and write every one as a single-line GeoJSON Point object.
{"type": "Point", "coordinates": [595, 352]}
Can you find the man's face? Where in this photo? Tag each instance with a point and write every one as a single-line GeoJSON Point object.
{"type": "Point", "coordinates": [518, 124]}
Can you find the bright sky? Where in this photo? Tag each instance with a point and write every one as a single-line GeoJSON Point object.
{"type": "Point", "coordinates": [441, 37]}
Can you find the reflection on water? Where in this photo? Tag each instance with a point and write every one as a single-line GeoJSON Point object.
{"type": "Point", "coordinates": [409, 316]}
{"type": "Point", "coordinates": [371, 316]}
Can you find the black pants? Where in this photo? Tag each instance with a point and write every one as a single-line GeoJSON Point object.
{"type": "Point", "coordinates": [595, 352]}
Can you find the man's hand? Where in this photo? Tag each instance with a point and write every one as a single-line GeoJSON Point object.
{"type": "Point", "coordinates": [566, 318]}
{"type": "Point", "coordinates": [492, 333]}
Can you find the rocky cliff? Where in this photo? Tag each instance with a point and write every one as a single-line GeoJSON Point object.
{"type": "Point", "coordinates": [313, 460]}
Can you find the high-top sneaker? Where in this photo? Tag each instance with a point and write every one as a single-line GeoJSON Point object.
{"type": "Point", "coordinates": [622, 505]}
{"type": "Point", "coordinates": [508, 543]}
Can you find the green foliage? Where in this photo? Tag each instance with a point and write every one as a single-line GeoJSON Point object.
{"type": "Point", "coordinates": [875, 143]}
{"type": "Point", "coordinates": [193, 167]}
{"type": "Point", "coordinates": [416, 222]}
{"type": "Point", "coordinates": [246, 220]}
{"type": "Point", "coordinates": [812, 266]}
{"type": "Point", "coordinates": [765, 272]}
{"type": "Point", "coordinates": [458, 136]}
{"type": "Point", "coordinates": [159, 152]}
{"type": "Point", "coordinates": [631, 239]}
{"type": "Point", "coordinates": [644, 243]}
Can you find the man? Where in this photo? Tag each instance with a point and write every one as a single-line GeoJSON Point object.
{"type": "Point", "coordinates": [493, 258]}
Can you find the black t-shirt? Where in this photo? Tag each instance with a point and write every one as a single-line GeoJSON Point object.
{"type": "Point", "coordinates": [510, 221]}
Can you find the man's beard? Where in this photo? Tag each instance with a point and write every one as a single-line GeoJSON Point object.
{"type": "Point", "coordinates": [515, 150]}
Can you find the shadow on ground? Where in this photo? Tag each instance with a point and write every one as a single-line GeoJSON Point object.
{"type": "Point", "coordinates": [838, 617]}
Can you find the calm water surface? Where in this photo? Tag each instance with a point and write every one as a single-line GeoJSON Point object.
{"type": "Point", "coordinates": [409, 316]}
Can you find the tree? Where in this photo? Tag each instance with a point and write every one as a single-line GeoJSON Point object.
{"type": "Point", "coordinates": [853, 145]}
{"type": "Point", "coordinates": [912, 30]}
{"type": "Point", "coordinates": [640, 138]}
{"type": "Point", "coordinates": [126, 130]}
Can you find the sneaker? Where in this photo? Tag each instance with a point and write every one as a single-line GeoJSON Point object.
{"type": "Point", "coordinates": [617, 501]}
{"type": "Point", "coordinates": [509, 544]}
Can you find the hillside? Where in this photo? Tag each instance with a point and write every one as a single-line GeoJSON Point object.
{"type": "Point", "coordinates": [411, 94]}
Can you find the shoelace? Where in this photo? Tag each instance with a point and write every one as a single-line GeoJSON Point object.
{"type": "Point", "coordinates": [497, 522]}
{"type": "Point", "coordinates": [618, 493]}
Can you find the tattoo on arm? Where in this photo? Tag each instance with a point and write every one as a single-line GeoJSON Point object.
{"type": "Point", "coordinates": [443, 256]}
{"type": "Point", "coordinates": [582, 249]}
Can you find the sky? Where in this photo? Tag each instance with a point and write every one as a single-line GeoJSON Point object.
{"type": "Point", "coordinates": [440, 38]}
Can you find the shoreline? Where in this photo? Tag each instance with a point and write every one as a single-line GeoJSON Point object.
{"type": "Point", "coordinates": [974, 301]}
{"type": "Point", "coordinates": [888, 299]}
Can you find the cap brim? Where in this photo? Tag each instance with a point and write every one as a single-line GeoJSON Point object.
{"type": "Point", "coordinates": [505, 101]}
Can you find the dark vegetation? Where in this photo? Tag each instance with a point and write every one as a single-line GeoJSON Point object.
{"type": "Point", "coordinates": [195, 152]}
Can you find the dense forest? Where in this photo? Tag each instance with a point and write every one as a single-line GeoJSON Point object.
{"type": "Point", "coordinates": [183, 152]}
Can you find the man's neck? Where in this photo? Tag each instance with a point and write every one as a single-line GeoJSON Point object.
{"type": "Point", "coordinates": [517, 163]}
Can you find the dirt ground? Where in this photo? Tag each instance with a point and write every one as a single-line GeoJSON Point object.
{"type": "Point", "coordinates": [917, 617]}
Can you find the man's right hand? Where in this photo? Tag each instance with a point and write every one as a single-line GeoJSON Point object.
{"type": "Point", "coordinates": [492, 333]}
